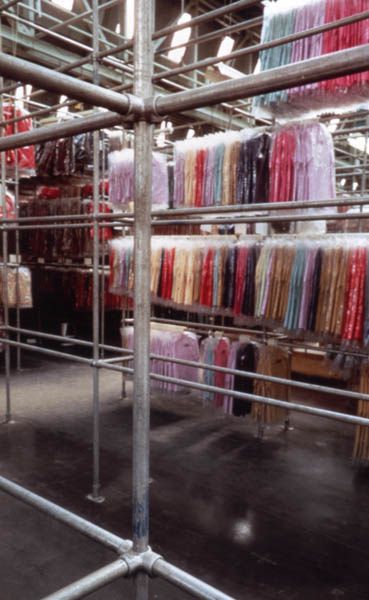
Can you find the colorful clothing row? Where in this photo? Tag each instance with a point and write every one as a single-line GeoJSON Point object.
{"type": "Point", "coordinates": [121, 178]}
{"type": "Point", "coordinates": [222, 169]}
{"type": "Point", "coordinates": [283, 18]}
{"type": "Point", "coordinates": [302, 163]}
{"type": "Point", "coordinates": [295, 162]}
{"type": "Point", "coordinates": [250, 357]}
{"type": "Point", "coordinates": [300, 285]}
{"type": "Point", "coordinates": [68, 156]}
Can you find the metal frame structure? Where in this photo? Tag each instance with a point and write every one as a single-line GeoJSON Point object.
{"type": "Point", "coordinates": [142, 109]}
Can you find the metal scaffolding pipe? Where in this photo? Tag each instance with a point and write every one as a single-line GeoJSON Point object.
{"type": "Point", "coordinates": [92, 582]}
{"type": "Point", "coordinates": [344, 62]}
{"type": "Point", "coordinates": [68, 128]}
{"type": "Point", "coordinates": [207, 62]}
{"type": "Point", "coordinates": [290, 406]}
{"type": "Point", "coordinates": [232, 7]}
{"type": "Point", "coordinates": [47, 79]}
{"type": "Point", "coordinates": [186, 582]}
{"type": "Point", "coordinates": [214, 34]}
{"type": "Point", "coordinates": [98, 534]}
{"type": "Point", "coordinates": [265, 219]}
{"type": "Point", "coordinates": [143, 68]}
{"type": "Point", "coordinates": [204, 366]}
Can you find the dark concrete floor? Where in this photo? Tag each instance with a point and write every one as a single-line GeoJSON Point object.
{"type": "Point", "coordinates": [285, 518]}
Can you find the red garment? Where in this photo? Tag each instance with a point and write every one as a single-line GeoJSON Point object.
{"type": "Point", "coordinates": [199, 176]}
{"type": "Point", "coordinates": [240, 279]}
{"type": "Point", "coordinates": [26, 155]}
{"type": "Point", "coordinates": [206, 292]}
{"type": "Point", "coordinates": [341, 38]}
{"type": "Point", "coordinates": [281, 169]}
{"type": "Point", "coordinates": [48, 193]}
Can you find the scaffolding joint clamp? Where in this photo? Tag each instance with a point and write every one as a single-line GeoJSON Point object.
{"type": "Point", "coordinates": [140, 561]}
{"type": "Point", "coordinates": [151, 112]}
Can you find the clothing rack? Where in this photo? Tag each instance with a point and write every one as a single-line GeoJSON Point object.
{"type": "Point", "coordinates": [141, 107]}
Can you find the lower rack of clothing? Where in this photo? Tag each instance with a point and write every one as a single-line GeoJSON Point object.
{"type": "Point", "coordinates": [306, 287]}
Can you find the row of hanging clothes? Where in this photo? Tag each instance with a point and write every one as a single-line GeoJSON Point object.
{"type": "Point", "coordinates": [70, 156]}
{"type": "Point", "coordinates": [293, 162]}
{"type": "Point", "coordinates": [70, 288]}
{"type": "Point", "coordinates": [121, 179]}
{"type": "Point", "coordinates": [52, 243]}
{"type": "Point", "coordinates": [244, 355]}
{"type": "Point", "coordinates": [285, 17]}
{"type": "Point", "coordinates": [309, 287]}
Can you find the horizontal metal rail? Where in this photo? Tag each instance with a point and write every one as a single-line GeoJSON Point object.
{"type": "Point", "coordinates": [17, 68]}
{"type": "Point", "coordinates": [128, 563]}
{"type": "Point", "coordinates": [336, 64]}
{"type": "Point", "coordinates": [186, 582]}
{"type": "Point", "coordinates": [94, 532]}
{"type": "Point", "coordinates": [92, 582]}
{"type": "Point", "coordinates": [264, 219]}
{"type": "Point", "coordinates": [290, 406]}
{"type": "Point", "coordinates": [207, 62]}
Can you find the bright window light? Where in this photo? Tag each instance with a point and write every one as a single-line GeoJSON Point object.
{"type": "Point", "coordinates": [117, 29]}
{"type": "Point", "coordinates": [129, 24]}
{"type": "Point", "coordinates": [180, 37]}
{"type": "Point", "coordinates": [22, 93]}
{"type": "Point", "coordinates": [63, 111]}
{"type": "Point", "coordinates": [226, 46]}
{"type": "Point", "coordinates": [67, 4]}
{"type": "Point", "coordinates": [358, 142]}
{"type": "Point", "coordinates": [333, 124]}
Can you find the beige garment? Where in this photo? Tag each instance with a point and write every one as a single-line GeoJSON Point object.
{"type": "Point", "coordinates": [272, 361]}
{"type": "Point", "coordinates": [226, 174]}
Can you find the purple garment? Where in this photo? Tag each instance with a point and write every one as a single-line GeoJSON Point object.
{"type": "Point", "coordinates": [314, 177]}
{"type": "Point", "coordinates": [307, 288]}
{"type": "Point", "coordinates": [121, 178]}
{"type": "Point", "coordinates": [307, 16]}
{"type": "Point", "coordinates": [170, 344]}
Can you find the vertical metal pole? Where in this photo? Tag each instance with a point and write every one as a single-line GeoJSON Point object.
{"type": "Point", "coordinates": [143, 60]}
{"type": "Point", "coordinates": [95, 495]}
{"type": "Point", "coordinates": [17, 249]}
{"type": "Point", "coordinates": [8, 415]}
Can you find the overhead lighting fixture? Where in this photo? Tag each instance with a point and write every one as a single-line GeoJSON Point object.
{"type": "Point", "coordinates": [180, 37]}
{"type": "Point", "coordinates": [190, 133]}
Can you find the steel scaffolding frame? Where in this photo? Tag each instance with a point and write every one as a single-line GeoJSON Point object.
{"type": "Point", "coordinates": [136, 559]}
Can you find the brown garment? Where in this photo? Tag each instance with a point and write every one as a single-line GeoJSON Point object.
{"type": "Point", "coordinates": [272, 361]}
